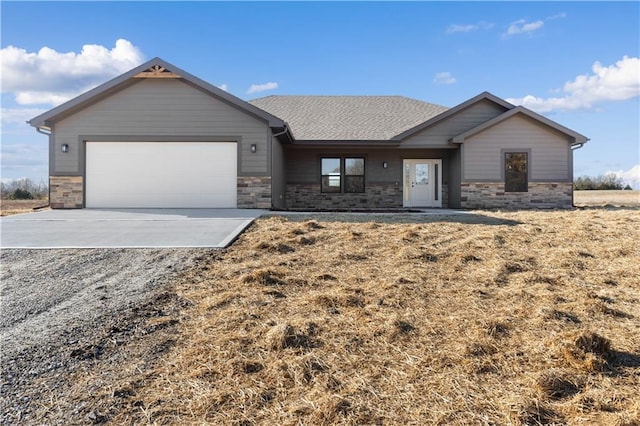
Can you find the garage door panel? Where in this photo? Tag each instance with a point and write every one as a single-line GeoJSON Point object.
{"type": "Point", "coordinates": [161, 174]}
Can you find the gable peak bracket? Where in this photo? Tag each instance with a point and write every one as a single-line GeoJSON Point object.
{"type": "Point", "coordinates": [157, 71]}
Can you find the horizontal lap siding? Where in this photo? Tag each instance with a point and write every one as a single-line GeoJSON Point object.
{"type": "Point", "coordinates": [162, 108]}
{"type": "Point", "coordinates": [440, 133]}
{"type": "Point", "coordinates": [549, 150]}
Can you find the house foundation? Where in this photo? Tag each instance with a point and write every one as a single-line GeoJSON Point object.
{"type": "Point", "coordinates": [540, 195]}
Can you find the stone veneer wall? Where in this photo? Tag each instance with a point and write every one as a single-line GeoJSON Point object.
{"type": "Point", "coordinates": [541, 195]}
{"type": "Point", "coordinates": [307, 196]}
{"type": "Point", "coordinates": [254, 192]}
{"type": "Point", "coordinates": [66, 192]}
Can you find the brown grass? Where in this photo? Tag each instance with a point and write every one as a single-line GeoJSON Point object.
{"type": "Point", "coordinates": [11, 207]}
{"type": "Point", "coordinates": [410, 323]}
{"type": "Point", "coordinates": [606, 198]}
{"type": "Point", "coordinates": [492, 318]}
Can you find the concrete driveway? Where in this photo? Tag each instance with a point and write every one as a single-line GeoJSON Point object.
{"type": "Point", "coordinates": [120, 228]}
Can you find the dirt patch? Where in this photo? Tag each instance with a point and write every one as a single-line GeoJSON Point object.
{"type": "Point", "coordinates": [486, 318]}
{"type": "Point", "coordinates": [72, 316]}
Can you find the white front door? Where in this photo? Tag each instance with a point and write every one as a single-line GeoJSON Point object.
{"type": "Point", "coordinates": [422, 183]}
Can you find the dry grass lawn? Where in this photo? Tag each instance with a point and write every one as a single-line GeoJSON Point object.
{"type": "Point", "coordinates": [604, 198]}
{"type": "Point", "coordinates": [11, 207]}
{"type": "Point", "coordinates": [490, 318]}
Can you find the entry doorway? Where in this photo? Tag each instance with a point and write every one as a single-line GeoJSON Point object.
{"type": "Point", "coordinates": [422, 183]}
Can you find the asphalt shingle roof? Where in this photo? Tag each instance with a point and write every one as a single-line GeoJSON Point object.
{"type": "Point", "coordinates": [348, 117]}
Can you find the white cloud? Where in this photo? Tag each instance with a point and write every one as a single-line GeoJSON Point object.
{"type": "Point", "coordinates": [521, 26]}
{"type": "Point", "coordinates": [630, 177]}
{"type": "Point", "coordinates": [224, 87]}
{"type": "Point", "coordinates": [455, 28]}
{"type": "Point", "coordinates": [444, 78]}
{"type": "Point", "coordinates": [556, 16]}
{"type": "Point", "coordinates": [617, 82]}
{"type": "Point", "coordinates": [51, 77]}
{"type": "Point", "coordinates": [256, 88]}
{"type": "Point", "coordinates": [19, 115]}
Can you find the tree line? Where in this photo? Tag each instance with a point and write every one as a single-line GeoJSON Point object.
{"type": "Point", "coordinates": [602, 182]}
{"type": "Point", "coordinates": [24, 189]}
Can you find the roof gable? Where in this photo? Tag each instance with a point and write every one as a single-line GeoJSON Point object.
{"type": "Point", "coordinates": [578, 138]}
{"type": "Point", "coordinates": [348, 118]}
{"type": "Point", "coordinates": [450, 112]}
{"type": "Point", "coordinates": [155, 68]}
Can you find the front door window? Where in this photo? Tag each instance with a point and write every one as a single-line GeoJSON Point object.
{"type": "Point", "coordinates": [421, 183]}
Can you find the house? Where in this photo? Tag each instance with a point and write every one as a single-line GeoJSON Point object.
{"type": "Point", "coordinates": [158, 136]}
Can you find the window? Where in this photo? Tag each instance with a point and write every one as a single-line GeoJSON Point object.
{"type": "Point", "coordinates": [331, 176]}
{"type": "Point", "coordinates": [354, 175]}
{"type": "Point", "coordinates": [515, 172]}
{"type": "Point", "coordinates": [342, 174]}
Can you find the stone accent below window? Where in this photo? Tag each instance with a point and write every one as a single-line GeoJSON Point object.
{"type": "Point", "coordinates": [307, 196]}
{"type": "Point", "coordinates": [540, 195]}
{"type": "Point", "coordinates": [66, 192]}
{"type": "Point", "coordinates": [254, 192]}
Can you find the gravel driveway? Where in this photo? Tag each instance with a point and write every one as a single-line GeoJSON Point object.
{"type": "Point", "coordinates": [55, 300]}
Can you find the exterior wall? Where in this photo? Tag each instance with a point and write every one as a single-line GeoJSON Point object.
{"type": "Point", "coordinates": [383, 187]}
{"type": "Point", "coordinates": [550, 159]}
{"type": "Point", "coordinates": [440, 133]}
{"type": "Point", "coordinates": [254, 192]}
{"type": "Point", "coordinates": [542, 195]}
{"type": "Point", "coordinates": [167, 108]}
{"type": "Point", "coordinates": [66, 192]}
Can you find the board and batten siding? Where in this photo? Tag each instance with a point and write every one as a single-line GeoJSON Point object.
{"type": "Point", "coordinates": [550, 158]}
{"type": "Point", "coordinates": [466, 119]}
{"type": "Point", "coordinates": [165, 108]}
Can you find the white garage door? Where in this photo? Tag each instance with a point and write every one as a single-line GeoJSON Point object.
{"type": "Point", "coordinates": [161, 174]}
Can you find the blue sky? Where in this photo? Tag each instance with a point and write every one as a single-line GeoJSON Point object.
{"type": "Point", "coordinates": [575, 62]}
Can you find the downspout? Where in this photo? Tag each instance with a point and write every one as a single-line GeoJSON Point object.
{"type": "Point", "coordinates": [575, 147]}
{"type": "Point", "coordinates": [44, 132]}
{"type": "Point", "coordinates": [275, 135]}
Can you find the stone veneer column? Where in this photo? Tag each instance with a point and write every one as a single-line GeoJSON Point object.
{"type": "Point", "coordinates": [65, 192]}
{"type": "Point", "coordinates": [254, 192]}
{"type": "Point", "coordinates": [540, 195]}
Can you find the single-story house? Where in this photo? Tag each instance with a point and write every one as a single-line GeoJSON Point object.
{"type": "Point", "coordinates": [159, 137]}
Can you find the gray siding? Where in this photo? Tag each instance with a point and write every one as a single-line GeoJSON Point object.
{"type": "Point", "coordinates": [440, 133]}
{"type": "Point", "coordinates": [550, 151]}
{"type": "Point", "coordinates": [165, 108]}
{"type": "Point", "coordinates": [278, 188]}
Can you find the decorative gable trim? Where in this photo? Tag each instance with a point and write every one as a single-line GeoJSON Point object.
{"type": "Point", "coordinates": [155, 68]}
{"type": "Point", "coordinates": [157, 71]}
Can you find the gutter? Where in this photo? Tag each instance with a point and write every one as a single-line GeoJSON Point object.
{"type": "Point", "coordinates": [41, 129]}
{"type": "Point", "coordinates": [578, 145]}
{"type": "Point", "coordinates": [286, 130]}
